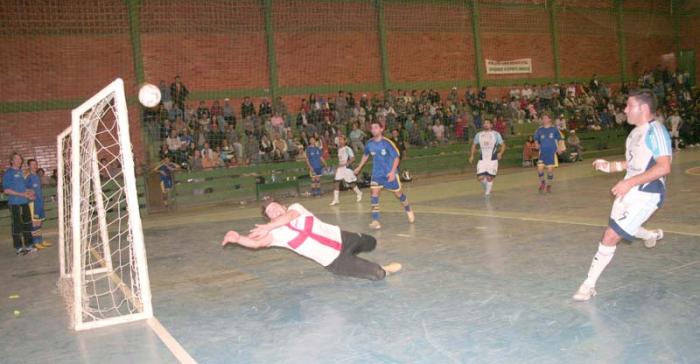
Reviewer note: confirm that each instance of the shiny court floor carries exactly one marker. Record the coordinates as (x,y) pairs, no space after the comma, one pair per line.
(484,281)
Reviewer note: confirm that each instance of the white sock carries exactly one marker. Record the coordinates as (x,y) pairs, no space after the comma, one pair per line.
(489,185)
(336,195)
(357,190)
(483,184)
(644,234)
(600,261)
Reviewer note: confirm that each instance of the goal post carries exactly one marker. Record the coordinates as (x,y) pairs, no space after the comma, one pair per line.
(102,257)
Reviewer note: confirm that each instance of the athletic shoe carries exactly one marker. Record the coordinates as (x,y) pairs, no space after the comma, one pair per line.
(375,225)
(658,235)
(411,216)
(584,293)
(542,186)
(392,268)
(20,251)
(548,189)
(359,197)
(334,202)
(30,250)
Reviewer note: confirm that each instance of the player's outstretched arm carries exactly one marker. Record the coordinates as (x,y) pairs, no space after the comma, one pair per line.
(261,230)
(233,237)
(609,167)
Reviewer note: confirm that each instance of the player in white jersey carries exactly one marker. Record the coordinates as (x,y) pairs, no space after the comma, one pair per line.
(343,173)
(641,192)
(676,122)
(492,148)
(298,229)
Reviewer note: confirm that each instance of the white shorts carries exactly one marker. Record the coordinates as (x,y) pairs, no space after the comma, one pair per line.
(630,213)
(487,168)
(345,174)
(675,134)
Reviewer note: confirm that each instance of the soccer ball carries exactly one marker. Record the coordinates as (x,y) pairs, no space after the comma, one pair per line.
(149,95)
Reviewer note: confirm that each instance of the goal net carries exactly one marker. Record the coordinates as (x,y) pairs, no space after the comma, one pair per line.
(104,275)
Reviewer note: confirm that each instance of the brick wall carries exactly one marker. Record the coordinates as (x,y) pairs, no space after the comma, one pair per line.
(69,50)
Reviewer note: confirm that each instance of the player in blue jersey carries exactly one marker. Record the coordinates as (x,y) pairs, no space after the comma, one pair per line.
(547,138)
(647,163)
(315,162)
(36,207)
(18,196)
(166,170)
(385,162)
(492,148)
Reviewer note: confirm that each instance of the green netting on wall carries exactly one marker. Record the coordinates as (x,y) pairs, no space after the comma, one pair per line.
(444,16)
(212,16)
(74,17)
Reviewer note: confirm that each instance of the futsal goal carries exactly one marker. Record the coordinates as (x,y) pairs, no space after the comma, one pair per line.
(102,258)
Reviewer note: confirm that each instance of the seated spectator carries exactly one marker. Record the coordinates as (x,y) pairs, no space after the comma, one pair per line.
(233,141)
(265,148)
(195,162)
(293,145)
(209,159)
(279,148)
(203,111)
(357,139)
(217,112)
(265,107)
(439,132)
(530,152)
(574,144)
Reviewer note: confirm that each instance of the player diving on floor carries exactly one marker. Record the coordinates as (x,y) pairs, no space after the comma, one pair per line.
(296,228)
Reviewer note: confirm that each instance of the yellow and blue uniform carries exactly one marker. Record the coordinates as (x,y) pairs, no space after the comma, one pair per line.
(313,154)
(21,216)
(384,152)
(548,138)
(36,207)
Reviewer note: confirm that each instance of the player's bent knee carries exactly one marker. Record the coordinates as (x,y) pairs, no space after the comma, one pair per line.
(610,237)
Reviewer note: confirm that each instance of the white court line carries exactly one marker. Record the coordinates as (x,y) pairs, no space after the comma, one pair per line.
(175,348)
(535,219)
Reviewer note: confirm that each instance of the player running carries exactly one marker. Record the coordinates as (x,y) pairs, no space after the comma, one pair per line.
(385,162)
(343,173)
(492,148)
(648,160)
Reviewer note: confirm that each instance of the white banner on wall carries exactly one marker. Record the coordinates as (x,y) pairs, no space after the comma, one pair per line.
(523,65)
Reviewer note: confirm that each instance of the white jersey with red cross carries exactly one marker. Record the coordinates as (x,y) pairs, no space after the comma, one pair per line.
(309,236)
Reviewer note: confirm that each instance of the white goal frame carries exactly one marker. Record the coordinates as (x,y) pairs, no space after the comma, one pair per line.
(71,233)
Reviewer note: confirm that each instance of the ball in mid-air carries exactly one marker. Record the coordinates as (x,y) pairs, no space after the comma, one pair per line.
(149,95)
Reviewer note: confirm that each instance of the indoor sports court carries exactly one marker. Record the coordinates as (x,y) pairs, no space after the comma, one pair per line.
(483,281)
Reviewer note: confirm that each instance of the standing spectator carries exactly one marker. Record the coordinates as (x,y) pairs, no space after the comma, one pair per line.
(229,115)
(36,207)
(165,95)
(247,108)
(15,187)
(265,107)
(217,112)
(179,93)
